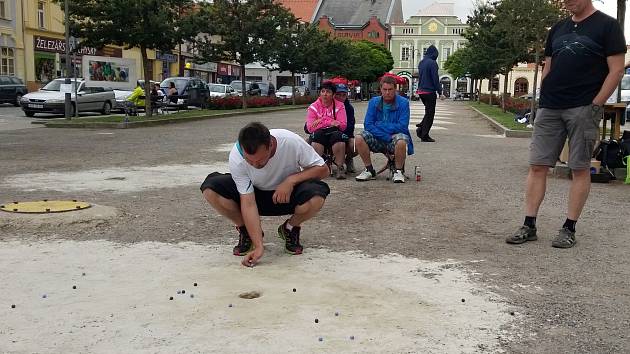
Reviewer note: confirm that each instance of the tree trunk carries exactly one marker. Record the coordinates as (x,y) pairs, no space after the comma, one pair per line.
(505,89)
(491,88)
(532,105)
(147,82)
(243,86)
(293,87)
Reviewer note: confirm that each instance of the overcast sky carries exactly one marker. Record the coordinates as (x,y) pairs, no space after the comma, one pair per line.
(463,8)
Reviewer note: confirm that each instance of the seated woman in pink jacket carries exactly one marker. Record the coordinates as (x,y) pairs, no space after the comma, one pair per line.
(325,122)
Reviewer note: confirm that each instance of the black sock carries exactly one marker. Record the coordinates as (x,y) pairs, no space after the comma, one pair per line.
(570,224)
(530,221)
(370,169)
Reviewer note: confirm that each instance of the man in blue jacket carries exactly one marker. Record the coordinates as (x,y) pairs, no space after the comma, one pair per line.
(428,86)
(386,130)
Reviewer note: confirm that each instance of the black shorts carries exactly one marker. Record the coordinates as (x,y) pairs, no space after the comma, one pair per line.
(328,137)
(224,185)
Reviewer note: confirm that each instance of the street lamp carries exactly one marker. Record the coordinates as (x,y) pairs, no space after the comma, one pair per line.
(67,82)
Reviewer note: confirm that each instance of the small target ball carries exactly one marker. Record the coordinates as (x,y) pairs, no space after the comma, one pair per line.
(191,295)
(463,300)
(195,284)
(74,287)
(12,306)
(294,290)
(512,313)
(170,298)
(44,296)
(321,339)
(183,291)
(179,291)
(336,313)
(351,337)
(230,305)
(316,320)
(83,274)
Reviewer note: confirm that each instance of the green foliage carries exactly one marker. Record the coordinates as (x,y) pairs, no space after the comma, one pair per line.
(362,60)
(242,31)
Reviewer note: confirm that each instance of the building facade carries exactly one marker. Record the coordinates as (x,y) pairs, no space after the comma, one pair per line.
(435,25)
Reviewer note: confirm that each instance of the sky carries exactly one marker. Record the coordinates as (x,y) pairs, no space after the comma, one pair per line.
(464,7)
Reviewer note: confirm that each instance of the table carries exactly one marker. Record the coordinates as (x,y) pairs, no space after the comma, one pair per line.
(619,109)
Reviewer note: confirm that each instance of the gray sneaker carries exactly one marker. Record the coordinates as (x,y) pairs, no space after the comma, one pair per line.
(565,239)
(350,165)
(522,235)
(340,173)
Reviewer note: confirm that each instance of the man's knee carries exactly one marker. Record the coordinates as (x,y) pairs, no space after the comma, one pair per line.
(538,169)
(314,204)
(211,196)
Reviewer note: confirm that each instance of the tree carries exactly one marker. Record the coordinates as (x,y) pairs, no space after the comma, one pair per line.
(534,17)
(363,60)
(144,24)
(243,32)
(300,51)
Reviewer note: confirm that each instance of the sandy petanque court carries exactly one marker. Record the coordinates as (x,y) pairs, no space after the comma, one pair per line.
(121,302)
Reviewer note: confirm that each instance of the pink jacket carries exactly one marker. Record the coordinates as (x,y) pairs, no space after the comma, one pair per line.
(320,117)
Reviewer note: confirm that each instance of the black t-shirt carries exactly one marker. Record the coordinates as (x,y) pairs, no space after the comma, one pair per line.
(578,64)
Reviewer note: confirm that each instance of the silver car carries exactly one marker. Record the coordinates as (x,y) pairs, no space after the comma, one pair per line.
(51,98)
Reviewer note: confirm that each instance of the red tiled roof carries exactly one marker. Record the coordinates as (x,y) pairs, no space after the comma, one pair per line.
(302,9)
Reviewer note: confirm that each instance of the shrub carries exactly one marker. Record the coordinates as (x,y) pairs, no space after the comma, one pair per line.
(235,102)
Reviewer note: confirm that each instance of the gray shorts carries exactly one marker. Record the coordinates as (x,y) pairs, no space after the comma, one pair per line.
(376,145)
(553,126)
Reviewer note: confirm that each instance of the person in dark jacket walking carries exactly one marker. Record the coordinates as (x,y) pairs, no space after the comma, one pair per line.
(428,86)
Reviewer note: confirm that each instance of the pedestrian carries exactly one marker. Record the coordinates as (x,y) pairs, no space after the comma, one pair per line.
(584,62)
(357,93)
(428,86)
(272,173)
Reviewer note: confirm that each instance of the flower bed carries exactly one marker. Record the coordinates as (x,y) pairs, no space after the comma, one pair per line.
(235,102)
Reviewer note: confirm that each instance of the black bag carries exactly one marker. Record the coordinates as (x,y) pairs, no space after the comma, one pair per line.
(609,153)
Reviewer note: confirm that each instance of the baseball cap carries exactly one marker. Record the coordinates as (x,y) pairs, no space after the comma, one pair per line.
(342,88)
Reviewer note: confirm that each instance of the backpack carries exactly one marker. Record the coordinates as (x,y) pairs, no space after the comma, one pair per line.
(609,153)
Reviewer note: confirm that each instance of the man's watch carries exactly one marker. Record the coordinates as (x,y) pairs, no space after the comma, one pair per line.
(597,108)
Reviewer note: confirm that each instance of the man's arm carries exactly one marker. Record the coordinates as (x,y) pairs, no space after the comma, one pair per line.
(284,190)
(546,69)
(615,73)
(251,218)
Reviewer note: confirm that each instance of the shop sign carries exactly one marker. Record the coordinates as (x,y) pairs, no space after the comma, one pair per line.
(223,69)
(166,57)
(56,45)
(212,67)
(236,70)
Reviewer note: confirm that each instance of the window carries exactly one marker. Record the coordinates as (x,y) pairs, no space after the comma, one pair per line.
(40,14)
(520,87)
(407,30)
(494,84)
(405,53)
(7,61)
(374,34)
(3,9)
(446,52)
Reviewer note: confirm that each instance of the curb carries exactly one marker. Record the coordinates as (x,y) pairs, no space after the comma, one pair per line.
(156,122)
(508,133)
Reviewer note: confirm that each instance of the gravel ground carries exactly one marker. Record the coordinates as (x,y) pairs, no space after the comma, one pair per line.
(470,198)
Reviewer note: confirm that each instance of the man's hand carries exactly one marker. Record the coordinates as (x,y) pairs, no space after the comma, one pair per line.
(283,192)
(253,257)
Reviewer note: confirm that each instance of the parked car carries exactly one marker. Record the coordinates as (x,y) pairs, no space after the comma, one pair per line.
(252,88)
(51,98)
(285,91)
(266,88)
(221,90)
(11,90)
(191,91)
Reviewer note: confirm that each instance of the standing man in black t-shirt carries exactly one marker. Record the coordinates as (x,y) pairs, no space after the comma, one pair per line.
(584,62)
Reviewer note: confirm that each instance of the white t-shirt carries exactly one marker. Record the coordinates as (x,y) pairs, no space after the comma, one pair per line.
(292,155)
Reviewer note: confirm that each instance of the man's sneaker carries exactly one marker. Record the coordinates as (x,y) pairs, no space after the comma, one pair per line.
(427,139)
(365,176)
(565,239)
(245,244)
(524,234)
(398,177)
(350,165)
(340,173)
(291,238)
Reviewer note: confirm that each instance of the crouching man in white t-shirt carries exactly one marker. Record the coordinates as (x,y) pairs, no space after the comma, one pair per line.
(272,172)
